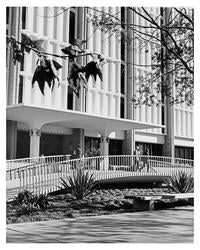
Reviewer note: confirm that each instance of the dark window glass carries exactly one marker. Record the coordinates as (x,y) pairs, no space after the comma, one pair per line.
(122,47)
(184,152)
(115,147)
(70,99)
(121,107)
(20,93)
(122,17)
(7,14)
(92,146)
(192,153)
(163,118)
(154,149)
(23,17)
(177,152)
(187,153)
(23,144)
(22,65)
(72,27)
(122,78)
(182,155)
(51,144)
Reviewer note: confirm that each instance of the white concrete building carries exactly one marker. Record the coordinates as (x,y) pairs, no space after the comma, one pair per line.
(103,117)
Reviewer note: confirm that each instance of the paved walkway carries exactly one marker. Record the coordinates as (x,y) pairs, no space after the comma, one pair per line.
(163,226)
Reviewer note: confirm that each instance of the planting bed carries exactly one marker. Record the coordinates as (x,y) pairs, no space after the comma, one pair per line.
(104,201)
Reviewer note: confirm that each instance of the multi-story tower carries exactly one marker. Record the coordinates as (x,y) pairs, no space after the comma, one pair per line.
(103,117)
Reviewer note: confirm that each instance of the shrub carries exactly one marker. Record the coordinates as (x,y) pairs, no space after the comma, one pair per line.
(81,184)
(42,201)
(25,197)
(26,202)
(26,209)
(180,182)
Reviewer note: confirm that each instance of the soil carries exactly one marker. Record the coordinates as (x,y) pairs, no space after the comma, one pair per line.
(98,203)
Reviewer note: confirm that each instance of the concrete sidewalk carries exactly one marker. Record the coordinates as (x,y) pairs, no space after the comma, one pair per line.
(163,226)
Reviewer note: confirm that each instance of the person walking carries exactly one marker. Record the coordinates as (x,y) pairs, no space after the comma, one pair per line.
(137,158)
(146,160)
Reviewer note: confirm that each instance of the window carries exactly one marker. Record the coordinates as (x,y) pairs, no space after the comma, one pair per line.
(122,78)
(122,48)
(20,93)
(23,144)
(72,23)
(23,17)
(154,149)
(115,147)
(7,15)
(70,99)
(121,107)
(51,144)
(163,117)
(122,17)
(122,70)
(72,27)
(184,152)
(92,145)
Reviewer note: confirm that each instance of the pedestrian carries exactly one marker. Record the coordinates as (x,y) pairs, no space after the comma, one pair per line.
(137,158)
(78,152)
(146,160)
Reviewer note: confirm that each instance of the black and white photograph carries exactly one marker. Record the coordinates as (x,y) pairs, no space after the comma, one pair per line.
(99,123)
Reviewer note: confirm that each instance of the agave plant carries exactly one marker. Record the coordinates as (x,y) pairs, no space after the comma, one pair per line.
(80,185)
(180,182)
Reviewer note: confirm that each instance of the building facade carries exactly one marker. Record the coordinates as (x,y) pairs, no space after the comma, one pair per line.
(103,118)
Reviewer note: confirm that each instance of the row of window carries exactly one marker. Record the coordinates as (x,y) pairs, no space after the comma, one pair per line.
(51,144)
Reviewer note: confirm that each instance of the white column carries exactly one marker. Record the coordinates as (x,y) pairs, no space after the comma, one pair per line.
(40,20)
(97,38)
(112,106)
(183,123)
(50,24)
(97,103)
(30,19)
(59,26)
(104,104)
(104,145)
(26,90)
(89,102)
(64,96)
(66,26)
(90,34)
(34,142)
(118,77)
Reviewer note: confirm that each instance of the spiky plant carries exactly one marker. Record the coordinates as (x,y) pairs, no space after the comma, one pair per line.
(24,197)
(80,184)
(27,200)
(180,182)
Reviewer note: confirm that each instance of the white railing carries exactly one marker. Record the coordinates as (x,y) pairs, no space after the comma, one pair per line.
(43,176)
(25,162)
(183,162)
(13,167)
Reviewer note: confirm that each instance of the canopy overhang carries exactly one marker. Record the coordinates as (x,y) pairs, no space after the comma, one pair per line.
(37,116)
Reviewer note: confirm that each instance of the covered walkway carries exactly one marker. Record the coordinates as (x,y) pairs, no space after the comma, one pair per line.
(35,117)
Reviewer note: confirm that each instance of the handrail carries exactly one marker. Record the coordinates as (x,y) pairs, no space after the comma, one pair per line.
(44,176)
(25,162)
(28,158)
